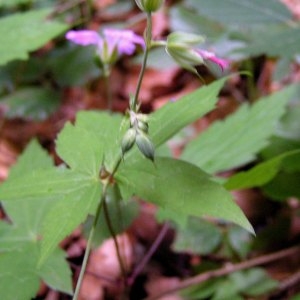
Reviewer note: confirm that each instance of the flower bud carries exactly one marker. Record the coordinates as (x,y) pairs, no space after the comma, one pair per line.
(142,117)
(128,140)
(143,126)
(180,48)
(149,5)
(145,145)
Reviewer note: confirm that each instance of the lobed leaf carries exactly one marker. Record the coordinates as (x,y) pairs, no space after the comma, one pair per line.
(242,12)
(65,215)
(288,46)
(236,141)
(172,117)
(31,103)
(34,29)
(179,186)
(104,131)
(198,236)
(56,272)
(18,276)
(260,174)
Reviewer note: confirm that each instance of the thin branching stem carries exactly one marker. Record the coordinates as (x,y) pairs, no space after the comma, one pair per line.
(149,254)
(228,269)
(114,237)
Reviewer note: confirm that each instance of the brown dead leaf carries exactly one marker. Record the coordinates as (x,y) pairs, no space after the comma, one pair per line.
(103,267)
(8,156)
(159,284)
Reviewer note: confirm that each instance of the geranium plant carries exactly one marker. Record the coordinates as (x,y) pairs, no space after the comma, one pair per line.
(103,151)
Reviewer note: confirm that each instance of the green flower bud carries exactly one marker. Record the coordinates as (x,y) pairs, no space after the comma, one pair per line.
(143,126)
(180,48)
(145,145)
(149,5)
(142,117)
(128,140)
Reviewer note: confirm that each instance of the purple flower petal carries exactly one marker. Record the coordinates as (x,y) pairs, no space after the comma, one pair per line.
(125,40)
(207,55)
(84,37)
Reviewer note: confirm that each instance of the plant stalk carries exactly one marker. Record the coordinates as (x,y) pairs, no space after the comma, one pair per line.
(110,178)
(148,37)
(113,234)
(89,244)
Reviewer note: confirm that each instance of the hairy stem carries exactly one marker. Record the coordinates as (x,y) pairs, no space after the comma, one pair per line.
(228,270)
(148,36)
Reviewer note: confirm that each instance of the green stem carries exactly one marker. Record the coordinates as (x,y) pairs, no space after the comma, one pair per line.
(148,38)
(113,234)
(89,244)
(108,91)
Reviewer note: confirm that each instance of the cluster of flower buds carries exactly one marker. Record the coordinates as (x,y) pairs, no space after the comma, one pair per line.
(138,134)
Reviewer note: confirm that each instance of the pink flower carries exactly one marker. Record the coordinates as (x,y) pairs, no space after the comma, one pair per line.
(207,55)
(124,41)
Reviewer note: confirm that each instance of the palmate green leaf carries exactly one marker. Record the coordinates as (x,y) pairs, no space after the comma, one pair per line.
(20,278)
(242,12)
(19,243)
(9,3)
(56,272)
(33,158)
(253,282)
(187,20)
(82,145)
(31,103)
(22,33)
(26,216)
(198,236)
(283,186)
(66,73)
(236,141)
(43,184)
(65,215)
(179,186)
(260,174)
(267,43)
(80,149)
(174,116)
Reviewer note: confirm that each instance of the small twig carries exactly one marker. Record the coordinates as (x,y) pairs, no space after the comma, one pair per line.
(292,280)
(149,254)
(228,270)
